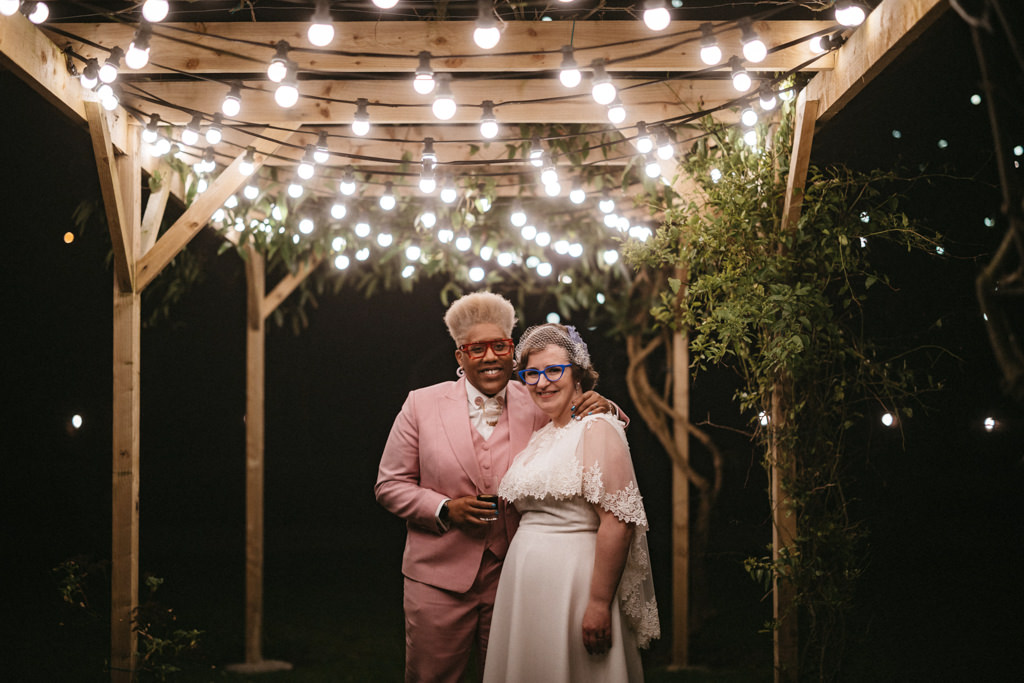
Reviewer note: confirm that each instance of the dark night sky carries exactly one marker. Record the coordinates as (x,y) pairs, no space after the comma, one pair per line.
(946,510)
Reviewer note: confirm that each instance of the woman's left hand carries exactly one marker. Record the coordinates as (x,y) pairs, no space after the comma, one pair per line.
(597,628)
(590,402)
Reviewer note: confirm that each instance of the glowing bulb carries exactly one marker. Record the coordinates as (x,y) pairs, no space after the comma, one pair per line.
(518,216)
(448,192)
(748,117)
(444,103)
(652,168)
(656,15)
(387,200)
(232,103)
(339,210)
(488,123)
(138,51)
(888,419)
(710,53)
(550,174)
(361,119)
(544,269)
(505,259)
(248,165)
(385,4)
(108,72)
(287,93)
(90,73)
(716,175)
(616,111)
(603,89)
(607,204)
(740,78)
(543,239)
(553,189)
(610,257)
(666,149)
(341,262)
(577,195)
(486,34)
(817,44)
(38,12)
(306,226)
(190,135)
(569,74)
(413,252)
(528,232)
(321,31)
(306,169)
(251,192)
(463,243)
(423,83)
(766,98)
(150,132)
(155,10)
(278,67)
(754,49)
(476,273)
(214,134)
(9,7)
(428,183)
(428,219)
(536,154)
(362,228)
(849,13)
(363,254)
(295,190)
(385,239)
(445,235)
(643,141)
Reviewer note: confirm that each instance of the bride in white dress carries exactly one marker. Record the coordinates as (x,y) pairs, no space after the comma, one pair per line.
(576,597)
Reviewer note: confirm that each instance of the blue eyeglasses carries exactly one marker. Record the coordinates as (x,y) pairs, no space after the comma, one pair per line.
(553,373)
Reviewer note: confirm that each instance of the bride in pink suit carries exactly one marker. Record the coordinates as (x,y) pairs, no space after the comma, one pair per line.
(576,599)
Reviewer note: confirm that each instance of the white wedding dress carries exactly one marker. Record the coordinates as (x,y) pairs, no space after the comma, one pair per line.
(536,631)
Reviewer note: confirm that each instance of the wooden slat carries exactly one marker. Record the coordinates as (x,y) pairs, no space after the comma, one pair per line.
(800,159)
(155,206)
(287,285)
(886,33)
(651,103)
(197,215)
(110,187)
(404,40)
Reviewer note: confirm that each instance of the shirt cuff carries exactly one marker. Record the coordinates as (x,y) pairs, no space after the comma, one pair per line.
(437,516)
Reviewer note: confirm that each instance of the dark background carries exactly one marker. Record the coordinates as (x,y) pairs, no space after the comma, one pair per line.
(942,599)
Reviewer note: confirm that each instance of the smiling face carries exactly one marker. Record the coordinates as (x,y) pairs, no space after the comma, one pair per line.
(491,372)
(554,398)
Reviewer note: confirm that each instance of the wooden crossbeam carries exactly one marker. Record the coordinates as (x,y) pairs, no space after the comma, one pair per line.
(451,42)
(197,215)
(118,221)
(888,31)
(800,159)
(287,285)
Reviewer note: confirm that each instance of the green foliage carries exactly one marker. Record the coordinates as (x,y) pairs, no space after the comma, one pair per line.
(784,308)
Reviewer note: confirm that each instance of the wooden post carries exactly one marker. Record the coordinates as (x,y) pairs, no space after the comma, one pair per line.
(681,505)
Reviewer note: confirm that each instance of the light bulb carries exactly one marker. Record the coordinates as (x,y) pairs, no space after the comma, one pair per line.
(306,226)
(428,183)
(603,89)
(413,252)
(577,195)
(607,204)
(569,74)
(37,12)
(362,228)
(643,141)
(385,4)
(428,156)
(488,123)
(518,216)
(656,15)
(190,135)
(108,72)
(251,192)
(616,111)
(151,131)
(448,192)
(486,34)
(295,190)
(110,102)
(361,120)
(748,117)
(754,49)
(287,93)
(338,210)
(248,164)
(428,219)
(553,189)
(278,67)
(750,137)
(444,103)
(665,147)
(817,44)
(321,154)
(385,239)
(476,273)
(90,73)
(850,13)
(549,175)
(307,167)
(341,262)
(161,147)
(483,201)
(528,232)
(536,154)
(423,83)
(347,186)
(321,31)
(387,200)
(363,254)
(740,78)
(9,7)
(766,98)
(155,10)
(232,103)
(651,167)
(138,51)
(710,53)
(214,134)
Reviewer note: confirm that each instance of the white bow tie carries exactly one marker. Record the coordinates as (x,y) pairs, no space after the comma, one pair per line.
(491,408)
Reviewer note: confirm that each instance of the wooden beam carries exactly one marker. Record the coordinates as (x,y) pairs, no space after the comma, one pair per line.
(883,36)
(197,215)
(118,221)
(326,102)
(681,502)
(155,206)
(287,285)
(450,42)
(799,160)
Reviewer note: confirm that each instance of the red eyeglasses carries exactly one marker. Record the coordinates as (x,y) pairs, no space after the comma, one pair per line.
(500,347)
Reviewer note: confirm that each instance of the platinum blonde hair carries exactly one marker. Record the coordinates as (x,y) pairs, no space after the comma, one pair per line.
(475,309)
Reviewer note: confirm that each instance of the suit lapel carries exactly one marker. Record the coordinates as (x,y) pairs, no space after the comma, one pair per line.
(454,415)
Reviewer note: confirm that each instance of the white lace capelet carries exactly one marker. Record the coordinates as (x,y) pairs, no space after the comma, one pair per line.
(590,458)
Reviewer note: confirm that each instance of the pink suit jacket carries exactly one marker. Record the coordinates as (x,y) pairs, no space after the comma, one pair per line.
(430,456)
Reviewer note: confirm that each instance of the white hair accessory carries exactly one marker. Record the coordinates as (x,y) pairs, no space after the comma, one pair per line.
(541,336)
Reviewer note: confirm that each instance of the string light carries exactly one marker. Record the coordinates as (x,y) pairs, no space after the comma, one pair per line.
(549,176)
(606,204)
(347,185)
(308,165)
(651,166)
(155,10)
(248,165)
(488,123)
(214,133)
(850,13)
(428,219)
(321,31)
(740,78)
(643,141)
(428,183)
(361,119)
(710,53)
(616,111)
(339,209)
(108,72)
(766,98)
(748,117)
(362,227)
(569,73)
(666,150)
(754,48)
(321,154)
(448,192)
(138,50)
(287,93)
(423,83)
(150,133)
(603,89)
(251,192)
(190,136)
(295,190)
(518,216)
(536,154)
(341,262)
(385,4)
(161,147)
(232,103)
(37,12)
(209,162)
(656,15)
(90,74)
(9,7)
(444,102)
(279,66)
(108,97)
(387,200)
(486,34)
(577,195)
(428,156)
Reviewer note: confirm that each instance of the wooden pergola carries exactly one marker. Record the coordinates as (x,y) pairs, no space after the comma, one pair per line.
(660,79)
